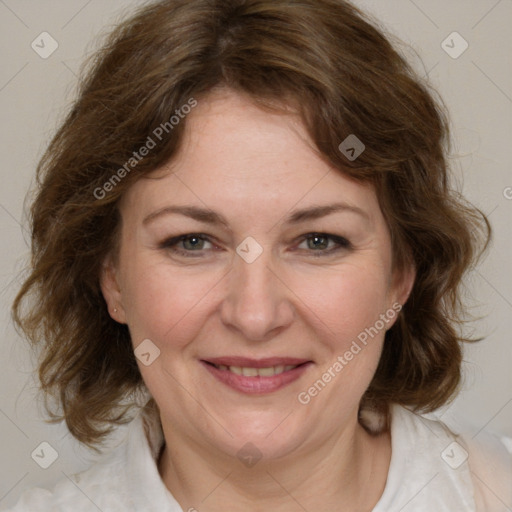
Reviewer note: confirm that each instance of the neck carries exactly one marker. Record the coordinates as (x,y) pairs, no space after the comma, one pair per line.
(349,468)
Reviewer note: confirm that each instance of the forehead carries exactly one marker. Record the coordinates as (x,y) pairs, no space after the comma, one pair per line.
(236,155)
(238,138)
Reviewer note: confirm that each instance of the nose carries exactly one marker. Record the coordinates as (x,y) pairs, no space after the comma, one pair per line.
(257,302)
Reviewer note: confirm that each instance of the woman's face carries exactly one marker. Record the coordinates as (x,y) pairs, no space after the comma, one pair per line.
(247,256)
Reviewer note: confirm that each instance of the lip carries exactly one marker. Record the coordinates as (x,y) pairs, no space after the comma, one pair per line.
(255,363)
(256,385)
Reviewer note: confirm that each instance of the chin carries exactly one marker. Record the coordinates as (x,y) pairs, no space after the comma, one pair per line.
(270,435)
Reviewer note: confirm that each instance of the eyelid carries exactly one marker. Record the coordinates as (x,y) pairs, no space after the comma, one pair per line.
(342,242)
(172,242)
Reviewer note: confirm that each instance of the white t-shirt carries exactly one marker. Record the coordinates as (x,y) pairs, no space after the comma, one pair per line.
(431,470)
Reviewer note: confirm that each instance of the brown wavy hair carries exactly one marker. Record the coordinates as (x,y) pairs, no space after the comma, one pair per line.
(326,60)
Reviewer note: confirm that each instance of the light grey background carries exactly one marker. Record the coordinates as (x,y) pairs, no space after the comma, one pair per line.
(477,88)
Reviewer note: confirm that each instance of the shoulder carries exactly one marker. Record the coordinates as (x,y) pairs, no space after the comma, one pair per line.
(92,489)
(490,462)
(120,481)
(435,467)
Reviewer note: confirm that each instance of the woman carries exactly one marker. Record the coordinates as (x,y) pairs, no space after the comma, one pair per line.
(245,224)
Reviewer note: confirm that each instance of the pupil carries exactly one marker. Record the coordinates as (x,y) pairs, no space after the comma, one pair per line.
(193,241)
(316,239)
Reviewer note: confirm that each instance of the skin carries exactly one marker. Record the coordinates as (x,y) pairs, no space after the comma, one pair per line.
(255,168)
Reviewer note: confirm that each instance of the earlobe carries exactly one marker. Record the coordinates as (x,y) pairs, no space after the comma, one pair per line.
(405,283)
(112,292)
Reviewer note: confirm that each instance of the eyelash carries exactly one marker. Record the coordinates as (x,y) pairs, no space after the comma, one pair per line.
(171,243)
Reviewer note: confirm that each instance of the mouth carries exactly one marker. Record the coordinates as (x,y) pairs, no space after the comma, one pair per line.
(256,372)
(256,375)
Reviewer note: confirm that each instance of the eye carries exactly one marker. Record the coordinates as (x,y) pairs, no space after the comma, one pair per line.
(185,245)
(324,244)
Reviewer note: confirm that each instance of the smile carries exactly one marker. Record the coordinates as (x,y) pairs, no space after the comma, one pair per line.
(256,377)
(255,372)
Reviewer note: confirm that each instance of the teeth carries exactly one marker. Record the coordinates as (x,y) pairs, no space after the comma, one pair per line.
(255,372)
(266,372)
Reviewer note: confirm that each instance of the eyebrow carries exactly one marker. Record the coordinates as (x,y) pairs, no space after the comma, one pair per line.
(317,212)
(210,217)
(194,212)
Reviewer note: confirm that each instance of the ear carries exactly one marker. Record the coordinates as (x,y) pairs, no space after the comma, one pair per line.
(109,283)
(403,282)
(401,287)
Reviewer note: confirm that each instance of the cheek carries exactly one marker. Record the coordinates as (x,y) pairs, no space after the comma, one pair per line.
(162,303)
(345,302)
(349,307)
